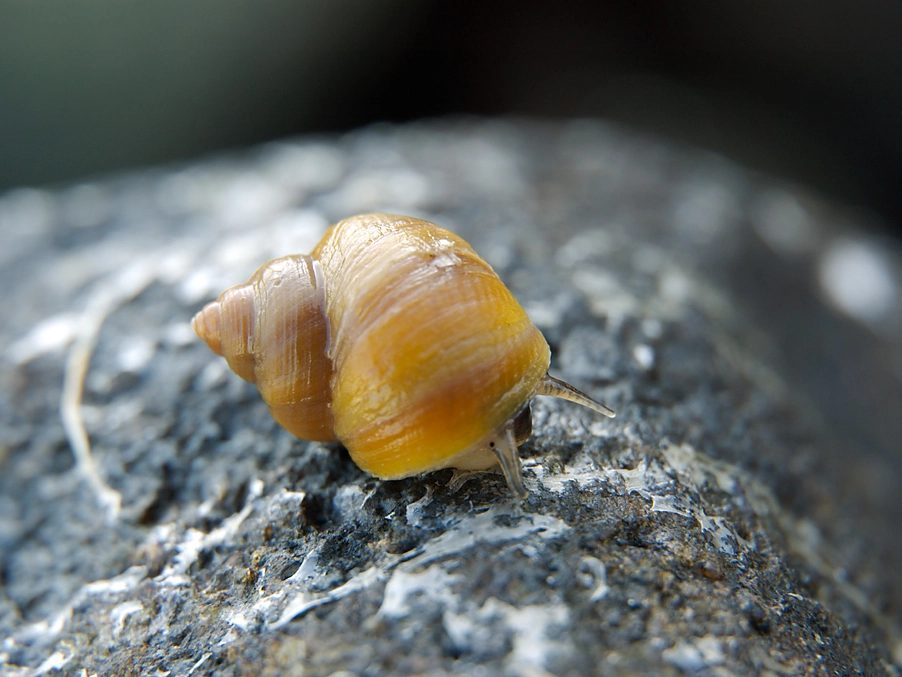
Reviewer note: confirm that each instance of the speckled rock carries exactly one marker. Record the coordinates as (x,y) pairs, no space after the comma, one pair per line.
(739,516)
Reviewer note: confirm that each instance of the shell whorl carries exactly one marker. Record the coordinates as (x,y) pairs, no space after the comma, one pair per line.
(273,332)
(431,353)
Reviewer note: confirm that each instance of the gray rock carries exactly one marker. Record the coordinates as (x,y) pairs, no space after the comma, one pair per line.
(739,516)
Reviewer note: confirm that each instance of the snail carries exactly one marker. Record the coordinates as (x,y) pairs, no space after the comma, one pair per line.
(395,338)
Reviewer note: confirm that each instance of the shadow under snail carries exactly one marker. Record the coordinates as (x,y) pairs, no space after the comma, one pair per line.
(395,338)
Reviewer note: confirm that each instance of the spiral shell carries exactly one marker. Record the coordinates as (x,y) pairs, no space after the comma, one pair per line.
(394,338)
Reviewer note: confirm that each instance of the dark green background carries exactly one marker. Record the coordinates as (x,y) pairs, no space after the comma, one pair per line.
(808,90)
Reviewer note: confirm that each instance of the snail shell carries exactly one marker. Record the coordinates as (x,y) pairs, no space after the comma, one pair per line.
(396,339)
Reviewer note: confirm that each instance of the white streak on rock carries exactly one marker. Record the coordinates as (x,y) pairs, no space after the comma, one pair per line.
(483,528)
(433,582)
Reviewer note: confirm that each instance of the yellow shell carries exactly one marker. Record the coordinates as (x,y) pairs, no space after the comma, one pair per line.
(395,338)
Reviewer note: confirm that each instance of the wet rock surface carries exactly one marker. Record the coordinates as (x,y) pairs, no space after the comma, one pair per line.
(739,516)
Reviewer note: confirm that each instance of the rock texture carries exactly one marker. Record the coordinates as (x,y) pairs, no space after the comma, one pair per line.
(739,516)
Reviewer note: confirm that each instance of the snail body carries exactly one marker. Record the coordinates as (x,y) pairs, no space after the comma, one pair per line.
(395,338)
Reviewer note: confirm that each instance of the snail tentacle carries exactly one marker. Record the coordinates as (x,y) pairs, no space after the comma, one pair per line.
(503,443)
(554,387)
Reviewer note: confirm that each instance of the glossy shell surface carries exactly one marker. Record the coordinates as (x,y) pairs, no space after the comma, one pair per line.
(393,336)
(431,352)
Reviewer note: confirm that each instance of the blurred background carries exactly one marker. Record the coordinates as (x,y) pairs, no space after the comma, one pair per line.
(811,91)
